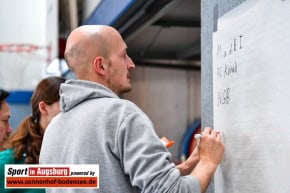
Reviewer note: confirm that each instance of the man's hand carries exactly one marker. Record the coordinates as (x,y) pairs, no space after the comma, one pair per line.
(211,151)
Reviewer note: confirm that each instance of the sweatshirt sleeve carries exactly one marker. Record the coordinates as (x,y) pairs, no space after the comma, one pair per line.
(146,161)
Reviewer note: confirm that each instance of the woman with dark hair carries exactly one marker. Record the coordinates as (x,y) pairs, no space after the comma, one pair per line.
(23,146)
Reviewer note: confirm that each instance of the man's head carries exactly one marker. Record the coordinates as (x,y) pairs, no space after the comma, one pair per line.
(5,128)
(98,53)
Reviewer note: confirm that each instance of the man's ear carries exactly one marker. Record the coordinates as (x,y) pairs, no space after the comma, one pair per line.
(98,65)
(42,108)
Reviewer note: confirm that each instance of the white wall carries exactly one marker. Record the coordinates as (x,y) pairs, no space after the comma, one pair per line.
(171,99)
(32,22)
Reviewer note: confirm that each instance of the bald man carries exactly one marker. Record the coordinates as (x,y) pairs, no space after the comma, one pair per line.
(95,126)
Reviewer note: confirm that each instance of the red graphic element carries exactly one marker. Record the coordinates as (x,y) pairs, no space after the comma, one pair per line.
(48,171)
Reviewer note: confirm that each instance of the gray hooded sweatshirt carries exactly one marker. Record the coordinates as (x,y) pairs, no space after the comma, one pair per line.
(95,126)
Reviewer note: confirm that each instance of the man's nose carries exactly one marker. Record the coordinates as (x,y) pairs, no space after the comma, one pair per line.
(131,63)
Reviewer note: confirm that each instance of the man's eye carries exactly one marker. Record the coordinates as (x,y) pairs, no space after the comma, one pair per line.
(5,121)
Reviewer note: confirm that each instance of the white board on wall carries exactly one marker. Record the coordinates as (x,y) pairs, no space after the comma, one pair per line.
(251,97)
(28,41)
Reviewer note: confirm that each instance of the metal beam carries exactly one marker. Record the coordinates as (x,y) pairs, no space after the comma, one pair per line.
(191,52)
(173,64)
(192,23)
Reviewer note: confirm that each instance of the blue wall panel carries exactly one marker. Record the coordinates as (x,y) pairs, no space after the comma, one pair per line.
(19,103)
(108,11)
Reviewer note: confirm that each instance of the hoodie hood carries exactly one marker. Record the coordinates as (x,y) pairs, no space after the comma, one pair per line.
(73,92)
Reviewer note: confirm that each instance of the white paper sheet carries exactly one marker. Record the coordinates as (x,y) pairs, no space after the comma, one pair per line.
(251,88)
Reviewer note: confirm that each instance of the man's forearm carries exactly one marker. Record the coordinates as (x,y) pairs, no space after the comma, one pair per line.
(187,167)
(204,172)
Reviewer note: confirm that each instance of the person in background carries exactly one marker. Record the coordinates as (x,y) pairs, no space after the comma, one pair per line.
(5,128)
(96,126)
(23,146)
